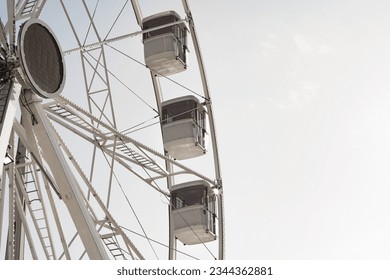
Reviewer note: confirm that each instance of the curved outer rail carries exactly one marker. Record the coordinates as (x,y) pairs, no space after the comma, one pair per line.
(212,129)
(138,13)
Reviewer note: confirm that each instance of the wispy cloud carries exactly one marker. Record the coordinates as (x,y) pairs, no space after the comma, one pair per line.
(268,49)
(306,46)
(297,98)
(268,46)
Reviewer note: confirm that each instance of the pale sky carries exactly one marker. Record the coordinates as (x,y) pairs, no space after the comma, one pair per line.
(301,98)
(301,94)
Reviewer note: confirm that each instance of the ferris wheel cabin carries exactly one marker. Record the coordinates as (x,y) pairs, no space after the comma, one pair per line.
(184,127)
(193,212)
(165,48)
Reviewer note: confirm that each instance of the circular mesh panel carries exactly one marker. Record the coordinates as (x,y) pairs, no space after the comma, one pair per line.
(42,59)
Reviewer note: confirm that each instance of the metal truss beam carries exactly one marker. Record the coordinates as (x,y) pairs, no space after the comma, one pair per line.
(68,185)
(136,153)
(12,91)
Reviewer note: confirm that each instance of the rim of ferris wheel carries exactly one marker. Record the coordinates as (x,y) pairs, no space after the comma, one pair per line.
(41,58)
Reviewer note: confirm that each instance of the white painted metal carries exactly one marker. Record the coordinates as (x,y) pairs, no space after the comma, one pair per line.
(22,10)
(24,222)
(10,27)
(217,183)
(32,148)
(109,219)
(13,90)
(9,254)
(27,9)
(3,36)
(170,170)
(91,60)
(2,200)
(120,38)
(133,149)
(206,92)
(213,134)
(19,167)
(137,11)
(68,185)
(31,192)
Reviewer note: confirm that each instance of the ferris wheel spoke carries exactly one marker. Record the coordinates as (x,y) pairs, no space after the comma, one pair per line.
(67,184)
(10,26)
(95,89)
(116,20)
(65,9)
(137,12)
(29,9)
(32,195)
(26,228)
(9,98)
(2,200)
(3,39)
(109,221)
(91,20)
(127,148)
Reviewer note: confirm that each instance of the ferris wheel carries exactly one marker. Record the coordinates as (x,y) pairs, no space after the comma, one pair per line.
(108,139)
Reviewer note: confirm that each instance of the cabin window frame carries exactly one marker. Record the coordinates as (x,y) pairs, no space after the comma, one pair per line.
(179,201)
(190,111)
(178,31)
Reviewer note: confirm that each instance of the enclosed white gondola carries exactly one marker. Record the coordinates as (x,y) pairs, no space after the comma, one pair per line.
(193,212)
(165,47)
(184,127)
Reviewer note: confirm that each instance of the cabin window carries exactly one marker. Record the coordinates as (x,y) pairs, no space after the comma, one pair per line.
(177,30)
(195,195)
(181,110)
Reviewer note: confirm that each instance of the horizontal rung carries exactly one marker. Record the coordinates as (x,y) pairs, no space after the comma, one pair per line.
(107,235)
(115,249)
(32,191)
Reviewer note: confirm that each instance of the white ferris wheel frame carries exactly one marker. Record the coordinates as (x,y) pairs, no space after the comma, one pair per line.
(98,126)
